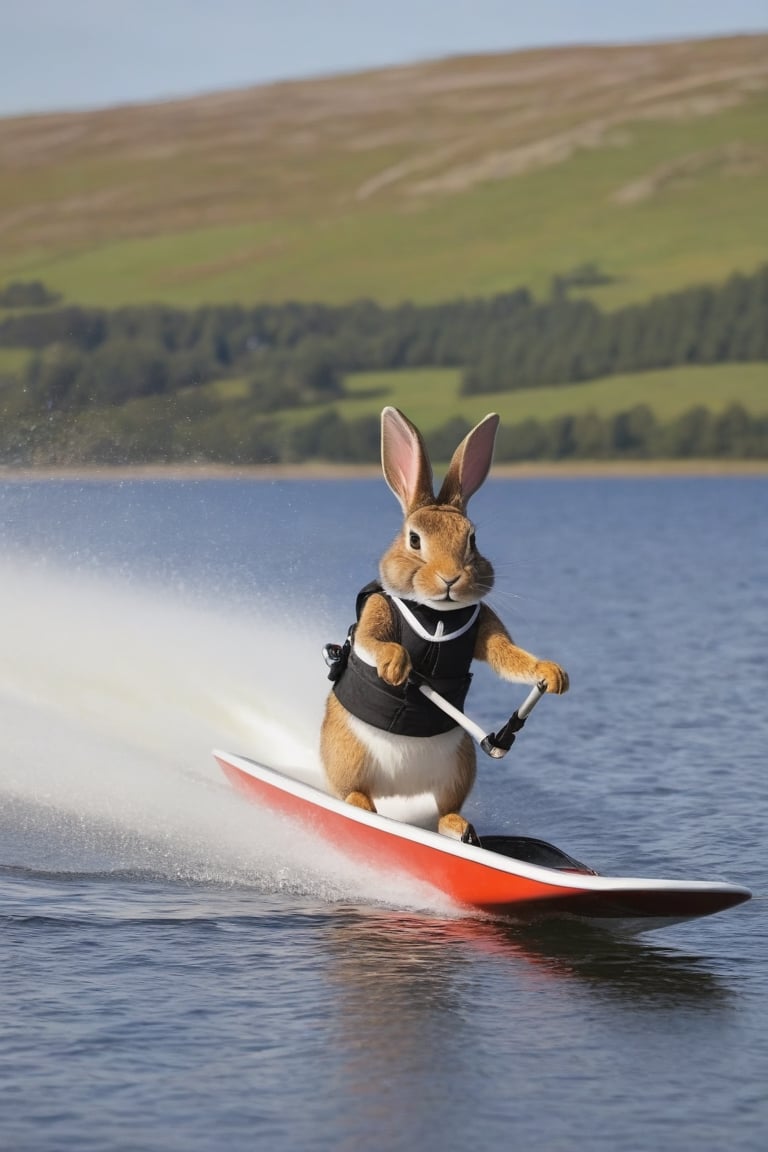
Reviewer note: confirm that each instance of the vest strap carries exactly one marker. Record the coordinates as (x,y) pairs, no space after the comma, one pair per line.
(438,636)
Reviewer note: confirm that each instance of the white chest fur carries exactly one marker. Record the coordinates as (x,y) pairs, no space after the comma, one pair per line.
(407,765)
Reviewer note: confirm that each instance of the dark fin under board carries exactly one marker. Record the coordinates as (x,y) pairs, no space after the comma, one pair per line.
(533,851)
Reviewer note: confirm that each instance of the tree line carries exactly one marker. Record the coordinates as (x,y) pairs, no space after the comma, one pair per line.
(179,429)
(635,433)
(123,385)
(293,353)
(569,341)
(27,294)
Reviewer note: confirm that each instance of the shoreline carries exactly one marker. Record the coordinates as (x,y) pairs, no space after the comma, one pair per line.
(572,470)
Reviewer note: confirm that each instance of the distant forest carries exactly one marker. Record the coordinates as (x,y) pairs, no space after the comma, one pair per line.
(125,385)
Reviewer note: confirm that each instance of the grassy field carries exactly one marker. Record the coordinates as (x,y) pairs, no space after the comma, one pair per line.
(431,396)
(13,361)
(457,177)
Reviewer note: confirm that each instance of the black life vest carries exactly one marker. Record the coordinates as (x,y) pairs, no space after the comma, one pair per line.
(441,646)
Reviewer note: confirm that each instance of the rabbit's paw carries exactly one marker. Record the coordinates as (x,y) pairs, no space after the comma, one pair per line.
(361,800)
(394,664)
(455,826)
(555,676)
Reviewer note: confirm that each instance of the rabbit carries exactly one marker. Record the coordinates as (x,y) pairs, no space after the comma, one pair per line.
(380,736)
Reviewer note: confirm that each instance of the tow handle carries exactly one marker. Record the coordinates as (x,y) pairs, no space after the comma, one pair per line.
(495,744)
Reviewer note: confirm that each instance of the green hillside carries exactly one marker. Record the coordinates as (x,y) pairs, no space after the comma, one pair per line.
(430,395)
(458,177)
(427,395)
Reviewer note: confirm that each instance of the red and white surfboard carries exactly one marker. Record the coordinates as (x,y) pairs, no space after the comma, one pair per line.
(538,880)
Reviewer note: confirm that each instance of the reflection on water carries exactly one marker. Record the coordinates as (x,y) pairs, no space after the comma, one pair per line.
(494,1019)
(402,954)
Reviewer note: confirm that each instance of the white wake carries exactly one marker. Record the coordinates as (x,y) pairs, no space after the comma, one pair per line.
(111,699)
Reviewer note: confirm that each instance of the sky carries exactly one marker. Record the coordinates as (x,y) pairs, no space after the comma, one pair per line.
(71,54)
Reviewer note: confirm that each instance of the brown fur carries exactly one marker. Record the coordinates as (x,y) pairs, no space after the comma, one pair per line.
(449,802)
(495,646)
(344,757)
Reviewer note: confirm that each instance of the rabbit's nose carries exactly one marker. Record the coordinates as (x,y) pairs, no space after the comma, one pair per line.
(449,581)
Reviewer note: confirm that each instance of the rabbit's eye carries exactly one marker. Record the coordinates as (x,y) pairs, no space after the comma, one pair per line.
(472,543)
(414,540)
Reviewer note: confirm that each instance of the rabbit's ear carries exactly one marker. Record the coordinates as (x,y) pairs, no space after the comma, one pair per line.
(405,461)
(470,464)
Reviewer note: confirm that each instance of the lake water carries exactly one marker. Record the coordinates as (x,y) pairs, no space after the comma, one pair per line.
(181,971)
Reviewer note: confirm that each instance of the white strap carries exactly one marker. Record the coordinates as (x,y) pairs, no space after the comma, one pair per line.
(440,636)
